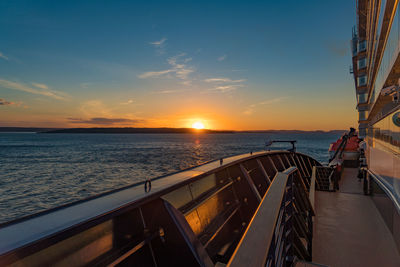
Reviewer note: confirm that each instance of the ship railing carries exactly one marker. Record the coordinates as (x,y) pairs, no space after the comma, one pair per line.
(280,231)
(326,178)
(160,225)
(384,186)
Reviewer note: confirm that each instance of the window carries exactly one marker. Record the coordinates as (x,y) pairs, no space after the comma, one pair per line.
(362,80)
(362,46)
(362,63)
(362,115)
(362,98)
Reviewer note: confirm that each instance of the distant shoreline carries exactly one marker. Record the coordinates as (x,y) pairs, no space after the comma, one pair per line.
(130,130)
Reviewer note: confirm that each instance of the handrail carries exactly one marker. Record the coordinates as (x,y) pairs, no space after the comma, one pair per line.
(311,195)
(272,225)
(384,187)
(31,236)
(253,248)
(325,178)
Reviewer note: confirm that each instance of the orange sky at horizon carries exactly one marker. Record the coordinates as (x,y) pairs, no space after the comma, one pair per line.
(248,66)
(288,114)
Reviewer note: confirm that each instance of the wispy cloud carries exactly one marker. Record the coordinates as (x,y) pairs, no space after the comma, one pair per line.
(159,43)
(226,88)
(223,80)
(41,86)
(223,85)
(33,90)
(105,121)
(154,74)
(251,108)
(172,91)
(130,101)
(178,67)
(222,58)
(3,56)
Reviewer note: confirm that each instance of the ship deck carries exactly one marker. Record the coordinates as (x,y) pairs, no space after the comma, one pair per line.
(348,228)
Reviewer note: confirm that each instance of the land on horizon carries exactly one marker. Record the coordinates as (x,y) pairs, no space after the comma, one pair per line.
(161,130)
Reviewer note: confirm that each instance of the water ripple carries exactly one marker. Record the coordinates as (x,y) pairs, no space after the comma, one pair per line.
(42,171)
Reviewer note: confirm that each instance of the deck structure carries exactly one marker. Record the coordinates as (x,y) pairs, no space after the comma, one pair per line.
(348,229)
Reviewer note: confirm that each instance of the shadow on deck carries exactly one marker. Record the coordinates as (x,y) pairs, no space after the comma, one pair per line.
(349,230)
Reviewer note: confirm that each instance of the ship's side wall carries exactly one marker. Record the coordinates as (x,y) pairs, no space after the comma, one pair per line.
(375,67)
(383,158)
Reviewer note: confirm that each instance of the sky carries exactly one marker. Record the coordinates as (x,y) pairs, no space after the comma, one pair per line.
(238,65)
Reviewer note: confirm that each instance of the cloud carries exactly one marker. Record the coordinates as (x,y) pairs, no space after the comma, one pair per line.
(3,56)
(222,58)
(151,74)
(170,91)
(130,101)
(41,86)
(251,108)
(159,43)
(223,85)
(223,80)
(225,88)
(178,67)
(105,121)
(25,88)
(4,102)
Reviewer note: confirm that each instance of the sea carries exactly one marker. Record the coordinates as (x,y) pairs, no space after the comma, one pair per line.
(43,171)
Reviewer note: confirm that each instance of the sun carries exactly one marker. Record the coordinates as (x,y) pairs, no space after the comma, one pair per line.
(198,125)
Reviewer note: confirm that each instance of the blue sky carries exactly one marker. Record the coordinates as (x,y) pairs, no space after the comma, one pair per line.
(229,64)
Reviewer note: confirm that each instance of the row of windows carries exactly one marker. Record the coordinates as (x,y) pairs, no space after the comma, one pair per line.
(358,46)
(390,53)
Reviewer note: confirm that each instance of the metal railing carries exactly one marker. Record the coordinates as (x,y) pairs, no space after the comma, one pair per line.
(384,186)
(280,232)
(195,217)
(325,178)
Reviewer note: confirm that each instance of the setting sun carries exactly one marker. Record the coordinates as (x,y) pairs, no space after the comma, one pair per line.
(198,125)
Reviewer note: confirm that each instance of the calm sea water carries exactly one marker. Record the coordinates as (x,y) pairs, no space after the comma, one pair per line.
(42,171)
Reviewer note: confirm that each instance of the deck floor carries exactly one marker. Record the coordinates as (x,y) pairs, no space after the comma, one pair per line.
(349,230)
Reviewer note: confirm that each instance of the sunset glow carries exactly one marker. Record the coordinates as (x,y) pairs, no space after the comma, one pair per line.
(198,125)
(152,74)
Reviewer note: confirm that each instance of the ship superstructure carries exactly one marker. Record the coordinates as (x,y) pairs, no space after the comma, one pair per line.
(376,68)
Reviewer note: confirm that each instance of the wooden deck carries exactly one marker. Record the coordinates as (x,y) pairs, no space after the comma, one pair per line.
(349,230)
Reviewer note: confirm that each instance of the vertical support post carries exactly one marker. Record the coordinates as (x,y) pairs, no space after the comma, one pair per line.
(305,166)
(250,181)
(289,224)
(281,161)
(311,194)
(272,164)
(263,171)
